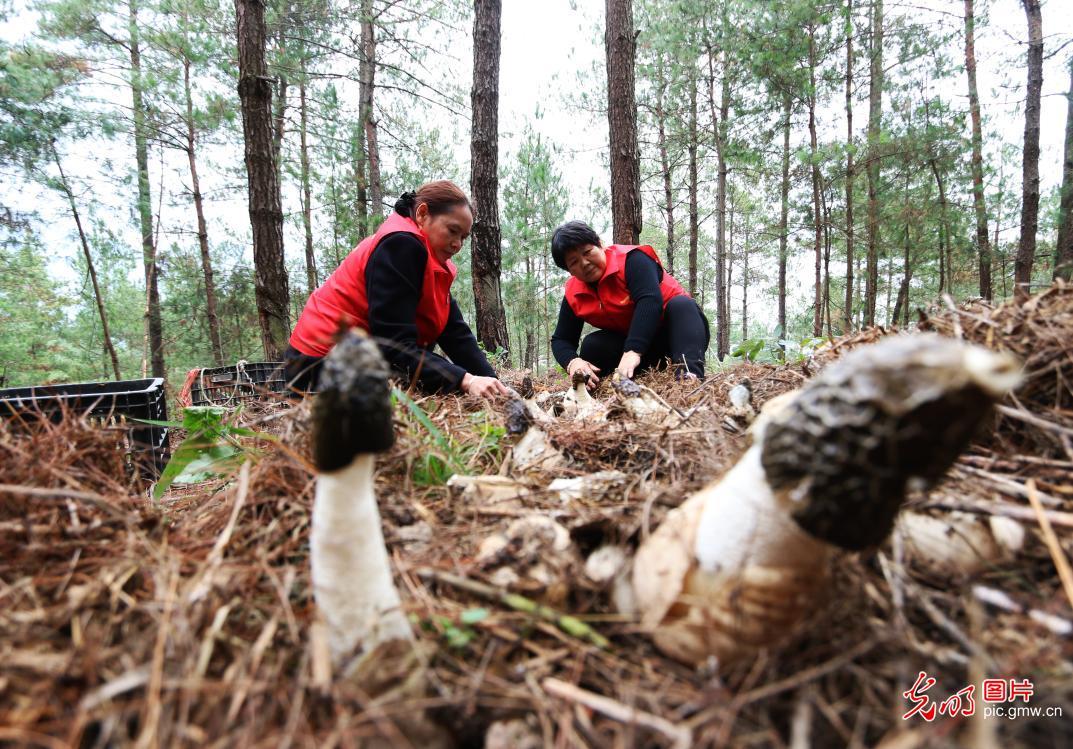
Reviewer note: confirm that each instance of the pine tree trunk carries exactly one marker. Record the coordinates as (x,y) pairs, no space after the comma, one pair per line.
(1026,248)
(108,347)
(729,269)
(665,167)
(719,128)
(694,229)
(847,318)
(1063,251)
(620,46)
(202,225)
(153,323)
(946,281)
(745,284)
(361,189)
(484,184)
(817,315)
(266,212)
(827,240)
(784,215)
(901,305)
(368,113)
(875,113)
(983,247)
(279,124)
(530,315)
(307,197)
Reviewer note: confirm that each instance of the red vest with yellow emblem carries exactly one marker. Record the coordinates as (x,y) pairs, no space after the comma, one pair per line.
(609,306)
(342,297)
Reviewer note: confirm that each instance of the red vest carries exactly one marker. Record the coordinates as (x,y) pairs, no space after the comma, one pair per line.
(610,307)
(342,296)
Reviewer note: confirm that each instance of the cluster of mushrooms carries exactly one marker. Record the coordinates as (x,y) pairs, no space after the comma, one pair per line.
(742,563)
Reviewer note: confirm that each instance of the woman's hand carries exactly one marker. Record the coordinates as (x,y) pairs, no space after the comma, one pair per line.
(628,363)
(485,387)
(580,365)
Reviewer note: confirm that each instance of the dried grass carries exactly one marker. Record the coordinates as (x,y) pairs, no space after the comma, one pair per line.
(189,623)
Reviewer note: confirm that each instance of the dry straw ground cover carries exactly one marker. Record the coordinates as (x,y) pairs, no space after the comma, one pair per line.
(190,622)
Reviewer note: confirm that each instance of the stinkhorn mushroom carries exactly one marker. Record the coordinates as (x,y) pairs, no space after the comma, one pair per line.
(352,581)
(741,401)
(741,563)
(641,403)
(579,404)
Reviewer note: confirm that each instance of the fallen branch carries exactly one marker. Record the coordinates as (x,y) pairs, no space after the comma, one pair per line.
(681,737)
(1065,574)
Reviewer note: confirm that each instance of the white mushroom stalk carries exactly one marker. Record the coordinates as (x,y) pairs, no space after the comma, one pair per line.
(352,581)
(740,564)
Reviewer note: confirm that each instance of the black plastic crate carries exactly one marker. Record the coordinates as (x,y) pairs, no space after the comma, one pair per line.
(114,401)
(230,386)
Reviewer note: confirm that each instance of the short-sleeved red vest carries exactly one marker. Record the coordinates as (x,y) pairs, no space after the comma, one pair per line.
(610,307)
(342,297)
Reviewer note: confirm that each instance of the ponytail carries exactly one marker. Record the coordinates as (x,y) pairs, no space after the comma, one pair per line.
(440,196)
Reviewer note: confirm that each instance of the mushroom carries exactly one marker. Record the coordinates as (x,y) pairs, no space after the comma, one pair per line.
(534,555)
(741,401)
(640,402)
(579,404)
(958,544)
(534,449)
(352,581)
(740,564)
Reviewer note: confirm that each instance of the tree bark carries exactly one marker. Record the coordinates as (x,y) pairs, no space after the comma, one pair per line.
(665,167)
(153,323)
(875,114)
(368,112)
(847,318)
(620,46)
(108,347)
(484,183)
(719,131)
(827,241)
(817,315)
(945,271)
(784,215)
(266,212)
(279,124)
(901,305)
(1063,265)
(202,225)
(307,197)
(361,189)
(745,281)
(983,247)
(1026,248)
(694,228)
(729,262)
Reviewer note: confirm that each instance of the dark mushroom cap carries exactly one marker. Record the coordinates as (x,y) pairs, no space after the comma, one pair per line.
(626,387)
(352,411)
(901,409)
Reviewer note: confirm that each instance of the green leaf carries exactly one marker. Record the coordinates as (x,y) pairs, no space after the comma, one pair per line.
(473,616)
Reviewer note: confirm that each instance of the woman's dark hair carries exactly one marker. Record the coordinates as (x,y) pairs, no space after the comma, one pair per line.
(441,196)
(569,236)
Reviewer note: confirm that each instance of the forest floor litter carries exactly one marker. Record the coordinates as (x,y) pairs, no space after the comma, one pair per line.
(190,622)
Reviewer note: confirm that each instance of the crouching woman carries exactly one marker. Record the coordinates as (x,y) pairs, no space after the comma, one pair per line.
(396,285)
(644,318)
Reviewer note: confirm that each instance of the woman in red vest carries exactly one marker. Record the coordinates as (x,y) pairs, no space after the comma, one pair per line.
(644,317)
(396,285)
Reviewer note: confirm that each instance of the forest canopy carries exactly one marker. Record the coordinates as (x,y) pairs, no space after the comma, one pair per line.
(805,169)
